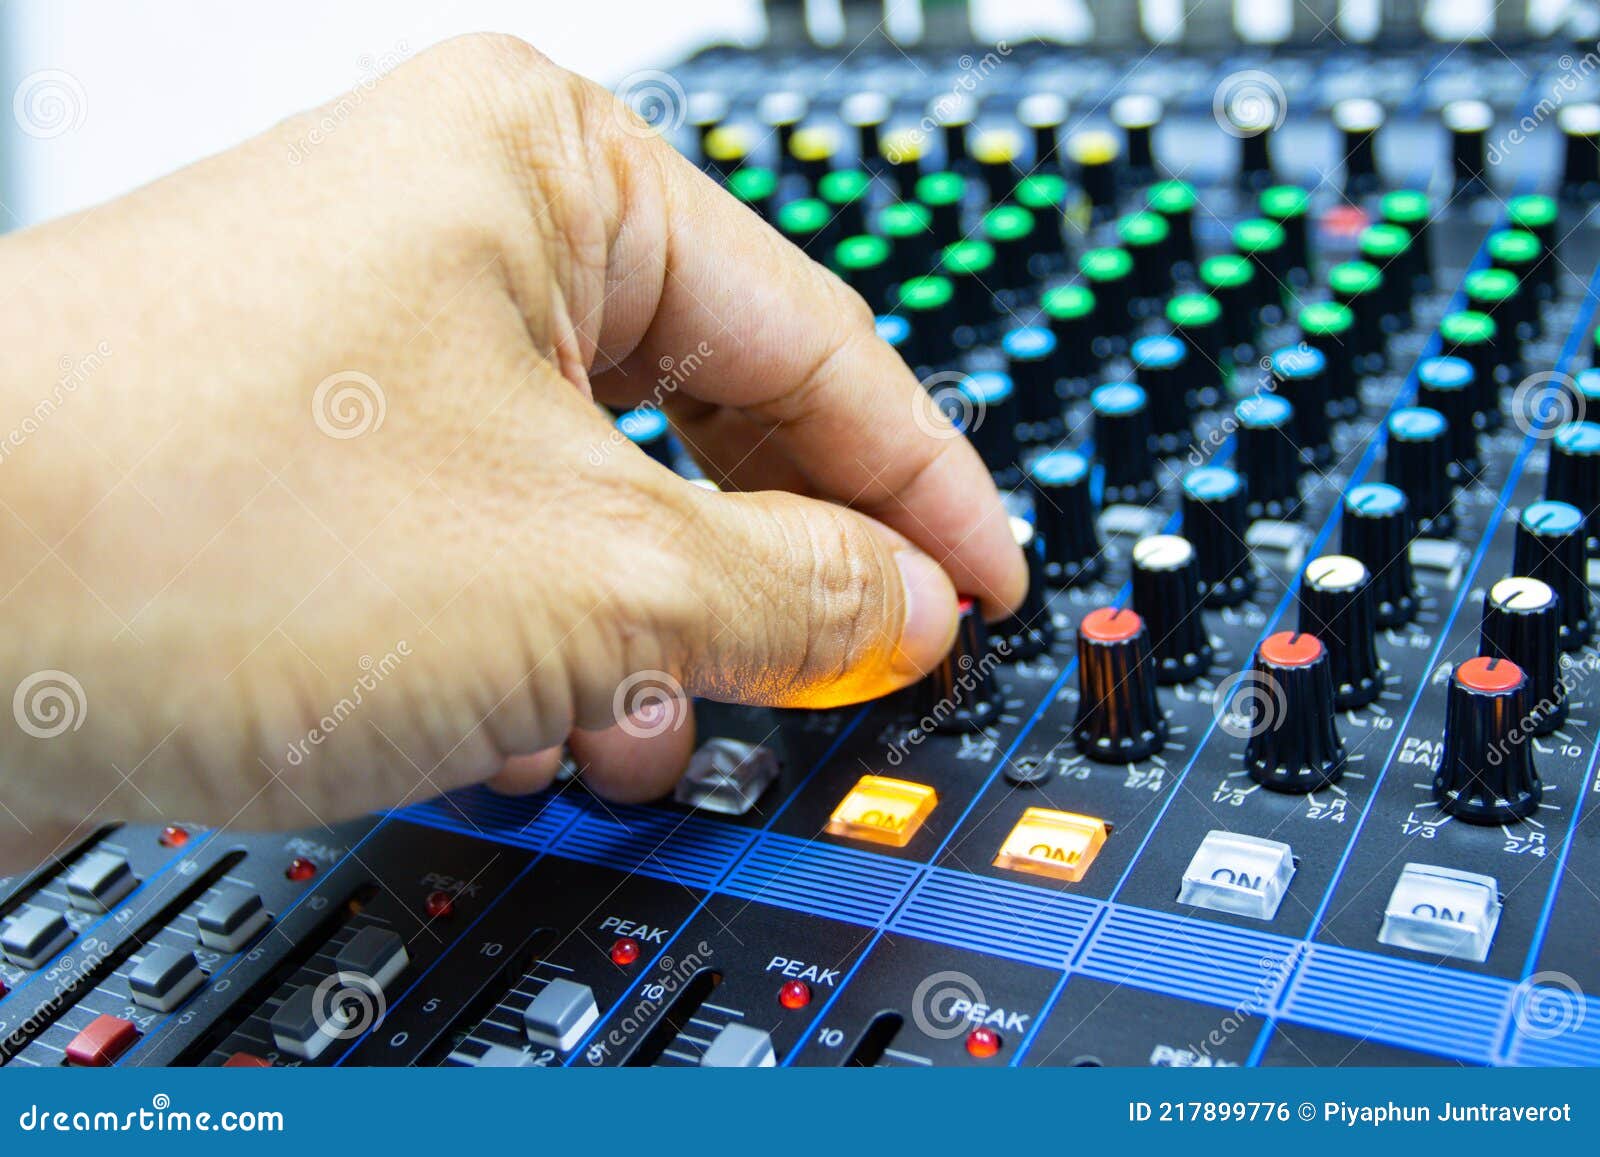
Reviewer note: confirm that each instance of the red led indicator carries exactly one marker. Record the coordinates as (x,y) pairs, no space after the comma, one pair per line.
(173,836)
(624,952)
(439,905)
(964,604)
(1110,625)
(1491,676)
(300,869)
(983,1043)
(794,994)
(1345,221)
(1291,649)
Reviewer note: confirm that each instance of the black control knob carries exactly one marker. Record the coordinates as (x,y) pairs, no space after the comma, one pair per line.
(1070,312)
(1122,443)
(1167,592)
(1522,622)
(1160,362)
(1486,773)
(1147,239)
(1329,328)
(1031,356)
(1377,530)
(1043,114)
(1175,200)
(984,406)
(1336,607)
(781,112)
(1215,521)
(1031,630)
(867,112)
(1358,120)
(1359,286)
(1093,154)
(959,694)
(1418,464)
(1137,115)
(1064,511)
(1197,321)
(1119,717)
(995,152)
(1108,273)
(1468,122)
(1299,376)
(1253,113)
(705,112)
(1549,546)
(952,114)
(647,428)
(1447,386)
(1289,206)
(1268,455)
(1294,743)
(1575,474)
(1580,168)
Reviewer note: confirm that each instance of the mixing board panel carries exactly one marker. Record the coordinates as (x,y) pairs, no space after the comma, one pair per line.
(1281,357)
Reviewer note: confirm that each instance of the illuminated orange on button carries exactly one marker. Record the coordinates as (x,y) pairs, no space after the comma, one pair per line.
(1051,843)
(883,810)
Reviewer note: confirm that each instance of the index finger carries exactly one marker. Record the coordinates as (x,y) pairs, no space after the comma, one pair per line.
(786,343)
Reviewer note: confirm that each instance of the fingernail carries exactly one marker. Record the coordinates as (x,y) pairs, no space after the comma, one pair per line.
(930,624)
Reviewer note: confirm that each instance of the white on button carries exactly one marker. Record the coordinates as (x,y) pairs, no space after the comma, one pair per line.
(1245,875)
(1442,910)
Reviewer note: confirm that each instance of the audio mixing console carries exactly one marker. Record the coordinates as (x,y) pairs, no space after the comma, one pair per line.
(1281,355)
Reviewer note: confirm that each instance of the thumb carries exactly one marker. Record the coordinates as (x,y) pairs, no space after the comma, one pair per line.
(807,604)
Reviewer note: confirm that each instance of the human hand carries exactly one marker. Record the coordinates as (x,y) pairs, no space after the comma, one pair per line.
(321,448)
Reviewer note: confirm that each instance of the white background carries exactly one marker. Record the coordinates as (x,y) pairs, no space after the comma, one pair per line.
(161,82)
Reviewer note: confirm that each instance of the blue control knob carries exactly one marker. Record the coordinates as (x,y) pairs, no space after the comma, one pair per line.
(1418,464)
(1031,357)
(1268,455)
(1064,515)
(1377,530)
(1549,547)
(1447,385)
(984,406)
(1160,363)
(1122,443)
(1300,376)
(1214,521)
(1575,474)
(647,428)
